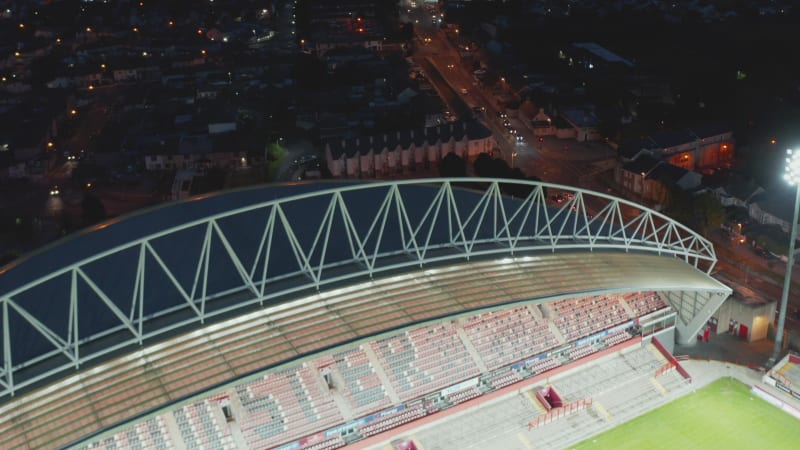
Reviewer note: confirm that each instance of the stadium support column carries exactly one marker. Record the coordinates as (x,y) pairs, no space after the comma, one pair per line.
(694,309)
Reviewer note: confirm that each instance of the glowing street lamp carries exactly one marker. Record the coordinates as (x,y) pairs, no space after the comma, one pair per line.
(792,176)
(644,176)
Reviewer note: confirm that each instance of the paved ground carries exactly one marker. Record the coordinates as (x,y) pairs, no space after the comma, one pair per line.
(729,348)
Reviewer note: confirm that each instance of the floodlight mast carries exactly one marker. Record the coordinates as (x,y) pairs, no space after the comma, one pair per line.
(792,176)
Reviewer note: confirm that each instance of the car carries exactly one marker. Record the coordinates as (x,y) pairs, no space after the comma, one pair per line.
(55,191)
(464,91)
(502,115)
(506,123)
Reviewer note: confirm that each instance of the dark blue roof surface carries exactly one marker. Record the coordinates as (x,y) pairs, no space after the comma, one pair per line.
(124,229)
(643,163)
(666,139)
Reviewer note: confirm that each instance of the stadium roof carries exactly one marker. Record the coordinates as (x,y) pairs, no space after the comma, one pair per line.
(132,282)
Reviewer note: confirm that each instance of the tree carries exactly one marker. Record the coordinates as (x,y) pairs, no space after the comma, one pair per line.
(8,257)
(92,209)
(407,32)
(517,190)
(703,212)
(25,229)
(709,212)
(499,169)
(678,204)
(452,165)
(482,165)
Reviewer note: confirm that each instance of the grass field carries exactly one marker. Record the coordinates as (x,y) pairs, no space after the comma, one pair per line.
(722,415)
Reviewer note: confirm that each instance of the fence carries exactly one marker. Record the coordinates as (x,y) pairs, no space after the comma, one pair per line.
(669,365)
(672,359)
(556,413)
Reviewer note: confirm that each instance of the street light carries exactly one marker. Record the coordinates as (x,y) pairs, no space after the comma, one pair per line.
(792,176)
(644,174)
(513,156)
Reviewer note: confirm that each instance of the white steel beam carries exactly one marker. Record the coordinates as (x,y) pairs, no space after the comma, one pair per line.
(8,366)
(237,263)
(530,224)
(57,341)
(107,301)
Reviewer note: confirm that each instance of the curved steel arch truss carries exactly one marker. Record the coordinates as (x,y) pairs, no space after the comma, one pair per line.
(269,251)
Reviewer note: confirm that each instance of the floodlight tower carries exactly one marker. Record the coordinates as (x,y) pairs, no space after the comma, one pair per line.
(792,176)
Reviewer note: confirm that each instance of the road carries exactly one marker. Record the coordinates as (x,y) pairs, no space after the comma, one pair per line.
(552,160)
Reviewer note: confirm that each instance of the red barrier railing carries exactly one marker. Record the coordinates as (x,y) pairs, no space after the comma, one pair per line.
(671,358)
(667,366)
(556,413)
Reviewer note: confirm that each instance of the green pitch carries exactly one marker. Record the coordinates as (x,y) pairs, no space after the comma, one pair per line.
(722,415)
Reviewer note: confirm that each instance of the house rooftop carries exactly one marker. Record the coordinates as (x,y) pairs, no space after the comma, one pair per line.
(644,163)
(602,53)
(741,188)
(581,117)
(667,139)
(710,129)
(667,173)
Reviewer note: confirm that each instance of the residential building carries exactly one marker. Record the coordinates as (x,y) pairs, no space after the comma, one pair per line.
(695,148)
(584,121)
(652,180)
(407,150)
